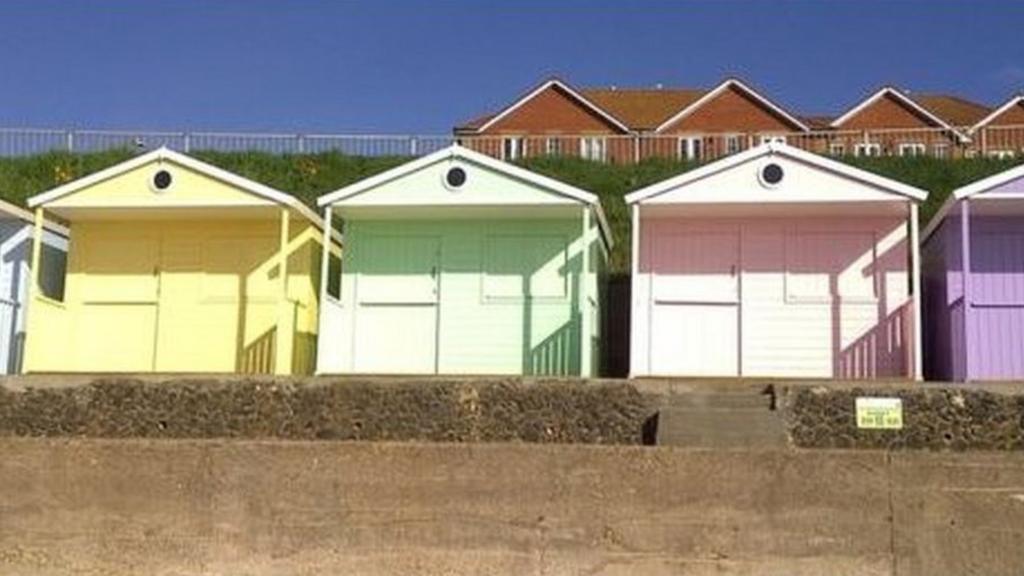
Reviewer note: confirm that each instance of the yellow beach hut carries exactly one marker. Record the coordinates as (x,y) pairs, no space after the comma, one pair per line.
(175,265)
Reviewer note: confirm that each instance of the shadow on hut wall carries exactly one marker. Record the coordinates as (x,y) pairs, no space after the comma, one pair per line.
(558,353)
(884,349)
(258,355)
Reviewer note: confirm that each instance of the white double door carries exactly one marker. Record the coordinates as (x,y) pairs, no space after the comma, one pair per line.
(695,303)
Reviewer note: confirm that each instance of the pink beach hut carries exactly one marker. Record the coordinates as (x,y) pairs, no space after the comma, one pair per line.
(776,262)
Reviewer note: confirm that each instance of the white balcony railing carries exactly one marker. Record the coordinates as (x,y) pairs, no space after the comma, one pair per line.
(1001,141)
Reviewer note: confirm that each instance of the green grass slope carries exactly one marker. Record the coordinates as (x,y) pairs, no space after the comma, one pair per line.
(311,175)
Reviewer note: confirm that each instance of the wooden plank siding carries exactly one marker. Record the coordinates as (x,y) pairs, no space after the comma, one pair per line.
(507,295)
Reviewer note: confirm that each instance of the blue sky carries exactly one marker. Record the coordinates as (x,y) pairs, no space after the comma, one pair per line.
(396,66)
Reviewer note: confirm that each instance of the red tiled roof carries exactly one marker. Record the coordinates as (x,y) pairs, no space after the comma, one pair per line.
(642,109)
(475,123)
(953,110)
(817,122)
(637,108)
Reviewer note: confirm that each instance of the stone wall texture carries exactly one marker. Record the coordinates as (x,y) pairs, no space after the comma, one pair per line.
(430,409)
(959,417)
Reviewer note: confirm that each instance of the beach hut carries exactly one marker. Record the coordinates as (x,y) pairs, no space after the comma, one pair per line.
(973,267)
(775,262)
(16,230)
(175,265)
(457,263)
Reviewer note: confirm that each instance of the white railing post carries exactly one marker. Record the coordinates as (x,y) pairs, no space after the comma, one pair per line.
(300,143)
(186,142)
(412,146)
(69,140)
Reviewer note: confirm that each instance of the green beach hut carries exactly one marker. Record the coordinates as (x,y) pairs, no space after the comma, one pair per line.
(457,263)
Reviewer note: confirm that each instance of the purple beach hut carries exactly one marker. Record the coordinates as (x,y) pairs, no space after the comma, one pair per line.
(973,282)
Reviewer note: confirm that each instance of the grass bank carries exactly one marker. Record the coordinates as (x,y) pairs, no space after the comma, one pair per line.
(307,176)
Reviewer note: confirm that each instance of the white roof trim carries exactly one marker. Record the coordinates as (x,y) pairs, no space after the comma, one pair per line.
(986,184)
(973,189)
(693,106)
(456,151)
(997,112)
(562,85)
(162,154)
(26,216)
(902,98)
(781,149)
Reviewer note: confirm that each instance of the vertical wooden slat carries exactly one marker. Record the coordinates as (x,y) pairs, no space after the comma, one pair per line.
(283,341)
(325,269)
(965,278)
(915,270)
(33,285)
(584,297)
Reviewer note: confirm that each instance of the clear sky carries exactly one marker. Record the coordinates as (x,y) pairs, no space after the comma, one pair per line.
(398,66)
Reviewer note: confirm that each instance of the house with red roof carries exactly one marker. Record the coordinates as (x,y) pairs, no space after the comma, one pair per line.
(894,122)
(622,124)
(1000,133)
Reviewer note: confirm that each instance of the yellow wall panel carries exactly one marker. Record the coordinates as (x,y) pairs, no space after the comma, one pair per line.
(181,296)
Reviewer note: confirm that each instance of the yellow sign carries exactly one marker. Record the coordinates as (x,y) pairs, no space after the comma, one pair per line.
(880,413)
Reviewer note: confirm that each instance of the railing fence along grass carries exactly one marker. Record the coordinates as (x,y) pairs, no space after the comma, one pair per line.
(999,141)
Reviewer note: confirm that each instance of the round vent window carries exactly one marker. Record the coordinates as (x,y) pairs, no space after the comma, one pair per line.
(771,174)
(162,180)
(455,177)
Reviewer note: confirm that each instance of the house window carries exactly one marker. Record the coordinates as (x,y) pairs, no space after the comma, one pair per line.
(334,276)
(691,148)
(837,149)
(867,149)
(53,264)
(732,143)
(775,138)
(553,147)
(592,148)
(911,149)
(513,148)
(940,150)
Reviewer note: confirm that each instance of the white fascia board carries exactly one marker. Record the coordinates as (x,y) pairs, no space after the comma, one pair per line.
(990,182)
(29,218)
(996,113)
(902,98)
(458,152)
(783,150)
(554,82)
(166,154)
(347,194)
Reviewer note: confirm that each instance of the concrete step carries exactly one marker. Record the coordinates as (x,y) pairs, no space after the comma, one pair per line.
(723,400)
(720,428)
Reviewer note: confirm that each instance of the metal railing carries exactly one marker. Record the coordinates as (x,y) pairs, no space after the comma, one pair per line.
(999,141)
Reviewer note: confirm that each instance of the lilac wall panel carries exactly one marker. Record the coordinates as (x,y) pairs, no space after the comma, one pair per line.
(996,322)
(996,346)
